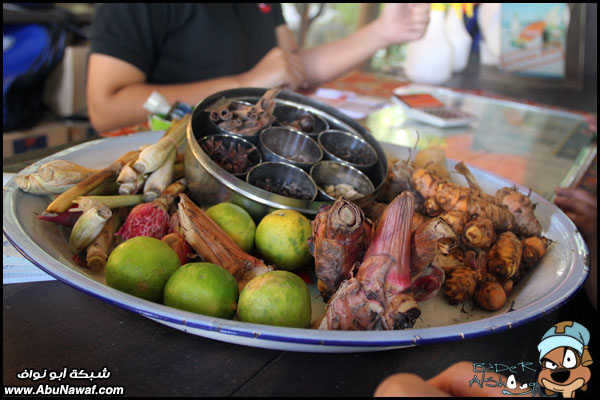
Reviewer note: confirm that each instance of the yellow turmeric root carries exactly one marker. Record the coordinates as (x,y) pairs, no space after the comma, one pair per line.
(490,296)
(479,233)
(504,257)
(449,196)
(460,285)
(526,224)
(534,248)
(456,219)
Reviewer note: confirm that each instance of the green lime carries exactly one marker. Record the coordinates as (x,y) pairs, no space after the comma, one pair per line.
(236,222)
(278,298)
(203,288)
(141,266)
(281,239)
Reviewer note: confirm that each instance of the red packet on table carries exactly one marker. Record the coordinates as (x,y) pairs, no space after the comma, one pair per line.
(426,108)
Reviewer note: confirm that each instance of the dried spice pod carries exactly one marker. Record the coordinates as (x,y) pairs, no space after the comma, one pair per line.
(490,296)
(479,233)
(246,113)
(504,257)
(234,155)
(224,113)
(460,285)
(230,124)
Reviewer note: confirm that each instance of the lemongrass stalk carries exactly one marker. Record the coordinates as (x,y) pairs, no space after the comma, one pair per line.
(85,203)
(106,188)
(64,201)
(53,177)
(88,227)
(178,171)
(128,174)
(159,179)
(152,157)
(97,252)
(130,181)
(128,188)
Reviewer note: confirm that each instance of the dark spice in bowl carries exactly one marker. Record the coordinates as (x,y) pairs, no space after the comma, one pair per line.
(232,157)
(300,120)
(289,190)
(361,156)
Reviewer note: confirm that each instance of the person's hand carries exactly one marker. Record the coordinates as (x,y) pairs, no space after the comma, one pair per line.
(277,68)
(403,22)
(581,207)
(454,381)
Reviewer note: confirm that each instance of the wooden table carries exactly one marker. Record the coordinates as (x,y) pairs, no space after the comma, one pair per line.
(49,325)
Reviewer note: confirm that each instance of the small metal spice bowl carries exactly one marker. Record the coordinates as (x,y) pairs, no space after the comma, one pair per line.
(300,119)
(332,173)
(231,152)
(347,148)
(290,146)
(284,180)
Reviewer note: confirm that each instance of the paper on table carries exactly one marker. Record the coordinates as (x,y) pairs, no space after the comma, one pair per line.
(15,267)
(349,103)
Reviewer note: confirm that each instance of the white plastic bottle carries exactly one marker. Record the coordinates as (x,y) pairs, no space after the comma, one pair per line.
(429,59)
(488,19)
(459,38)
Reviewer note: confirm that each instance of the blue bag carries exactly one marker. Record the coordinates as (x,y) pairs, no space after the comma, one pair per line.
(30,52)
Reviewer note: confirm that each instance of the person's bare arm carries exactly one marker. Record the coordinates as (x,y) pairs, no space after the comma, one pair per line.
(117,90)
(398,23)
(582,208)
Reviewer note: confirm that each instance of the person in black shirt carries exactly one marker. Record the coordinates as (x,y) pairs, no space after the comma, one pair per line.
(189,51)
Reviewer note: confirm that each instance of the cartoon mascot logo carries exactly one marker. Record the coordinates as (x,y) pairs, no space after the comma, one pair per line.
(565,359)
